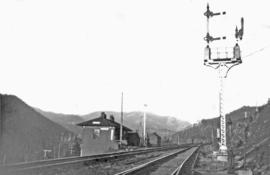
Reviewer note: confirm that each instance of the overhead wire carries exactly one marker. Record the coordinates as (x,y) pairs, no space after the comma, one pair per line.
(257,51)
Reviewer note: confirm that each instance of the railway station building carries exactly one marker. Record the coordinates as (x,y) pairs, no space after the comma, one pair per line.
(101,135)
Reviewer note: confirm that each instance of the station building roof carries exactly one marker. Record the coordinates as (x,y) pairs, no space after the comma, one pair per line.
(102,121)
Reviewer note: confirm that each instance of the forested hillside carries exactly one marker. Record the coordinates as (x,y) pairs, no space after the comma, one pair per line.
(25,133)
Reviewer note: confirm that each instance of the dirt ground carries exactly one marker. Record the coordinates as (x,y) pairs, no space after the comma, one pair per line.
(207,164)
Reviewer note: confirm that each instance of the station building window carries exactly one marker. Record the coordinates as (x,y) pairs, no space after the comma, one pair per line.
(96,133)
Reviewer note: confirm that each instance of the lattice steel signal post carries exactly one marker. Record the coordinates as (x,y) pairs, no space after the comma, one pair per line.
(223,60)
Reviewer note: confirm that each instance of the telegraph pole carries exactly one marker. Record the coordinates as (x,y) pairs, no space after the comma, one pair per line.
(121,123)
(1,120)
(1,132)
(144,125)
(224,60)
(246,129)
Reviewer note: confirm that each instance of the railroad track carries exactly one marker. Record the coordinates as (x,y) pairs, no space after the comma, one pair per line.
(179,162)
(48,164)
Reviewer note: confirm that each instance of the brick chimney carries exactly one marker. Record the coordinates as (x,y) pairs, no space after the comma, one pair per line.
(112,118)
(103,115)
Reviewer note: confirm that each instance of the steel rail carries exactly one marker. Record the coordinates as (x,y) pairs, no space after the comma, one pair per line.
(180,169)
(145,165)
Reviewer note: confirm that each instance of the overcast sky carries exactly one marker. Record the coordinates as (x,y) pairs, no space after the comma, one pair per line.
(77,56)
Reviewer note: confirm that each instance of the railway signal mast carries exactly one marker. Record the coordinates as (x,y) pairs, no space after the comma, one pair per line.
(223,60)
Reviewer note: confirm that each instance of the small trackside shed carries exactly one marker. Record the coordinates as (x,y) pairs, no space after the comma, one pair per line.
(154,139)
(133,139)
(101,135)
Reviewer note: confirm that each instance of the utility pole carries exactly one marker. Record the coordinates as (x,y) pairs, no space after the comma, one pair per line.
(59,149)
(121,123)
(60,144)
(224,60)
(212,135)
(1,117)
(1,131)
(1,120)
(144,125)
(246,130)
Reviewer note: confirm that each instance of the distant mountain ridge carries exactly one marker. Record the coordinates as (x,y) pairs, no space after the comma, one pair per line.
(68,121)
(164,125)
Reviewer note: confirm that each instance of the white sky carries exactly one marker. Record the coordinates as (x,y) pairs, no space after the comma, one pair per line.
(77,56)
